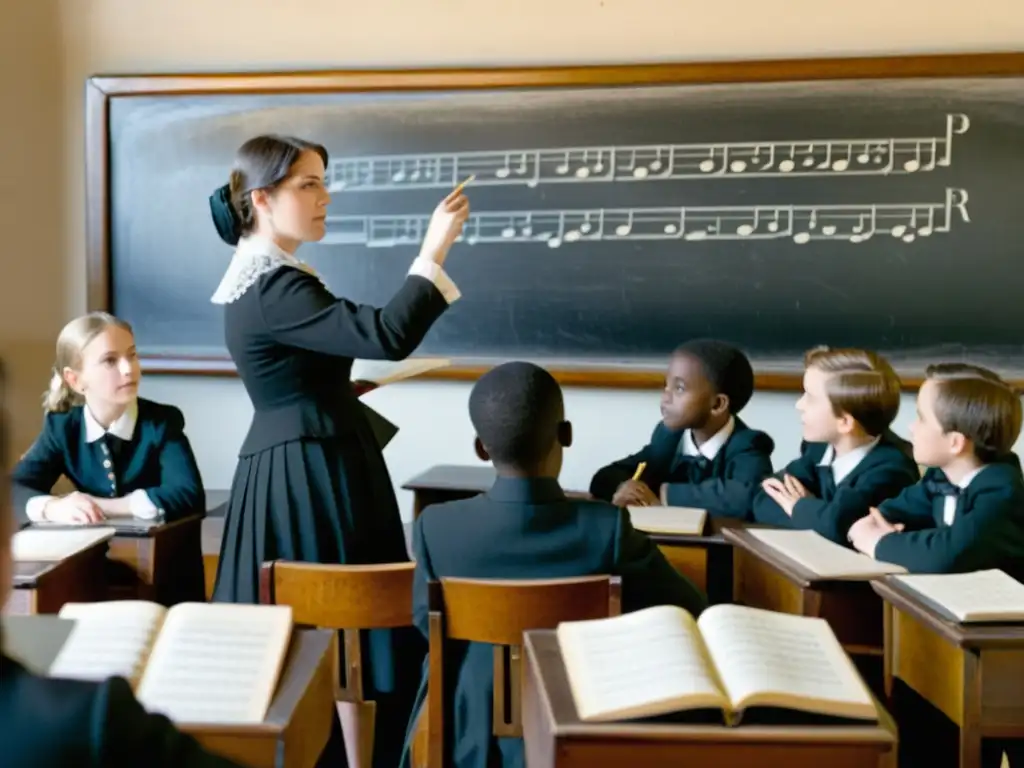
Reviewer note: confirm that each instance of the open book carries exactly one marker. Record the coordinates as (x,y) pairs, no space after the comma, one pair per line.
(54,545)
(659,660)
(680,520)
(824,558)
(380,373)
(980,596)
(195,662)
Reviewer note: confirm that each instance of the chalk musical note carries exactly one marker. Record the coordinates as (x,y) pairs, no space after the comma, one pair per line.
(639,163)
(851,223)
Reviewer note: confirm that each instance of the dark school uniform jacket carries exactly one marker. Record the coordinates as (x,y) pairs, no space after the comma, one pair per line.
(145,454)
(525,529)
(724,485)
(54,723)
(986,528)
(882,473)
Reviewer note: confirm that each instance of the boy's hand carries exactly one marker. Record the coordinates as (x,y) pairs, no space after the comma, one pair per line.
(634,493)
(869,530)
(785,492)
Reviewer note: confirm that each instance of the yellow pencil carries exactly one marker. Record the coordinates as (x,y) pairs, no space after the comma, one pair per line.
(639,470)
(469,179)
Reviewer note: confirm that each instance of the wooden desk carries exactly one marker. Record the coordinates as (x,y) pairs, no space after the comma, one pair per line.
(707,560)
(298,722)
(451,482)
(162,563)
(44,587)
(210,537)
(763,578)
(971,673)
(556,738)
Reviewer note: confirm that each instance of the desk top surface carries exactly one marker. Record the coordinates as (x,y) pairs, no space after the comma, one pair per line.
(791,570)
(545,660)
(463,477)
(26,574)
(977,636)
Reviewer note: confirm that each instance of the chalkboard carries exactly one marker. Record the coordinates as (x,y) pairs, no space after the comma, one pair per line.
(617,211)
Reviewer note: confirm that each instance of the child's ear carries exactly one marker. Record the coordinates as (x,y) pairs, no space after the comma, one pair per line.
(959,443)
(846,424)
(70,376)
(564,433)
(720,404)
(481,452)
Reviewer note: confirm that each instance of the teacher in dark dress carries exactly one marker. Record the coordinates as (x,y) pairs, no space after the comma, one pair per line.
(311,482)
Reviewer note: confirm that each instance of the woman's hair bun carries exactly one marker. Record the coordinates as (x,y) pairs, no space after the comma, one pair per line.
(225,217)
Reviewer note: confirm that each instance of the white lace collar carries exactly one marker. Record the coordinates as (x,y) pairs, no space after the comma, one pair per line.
(255,256)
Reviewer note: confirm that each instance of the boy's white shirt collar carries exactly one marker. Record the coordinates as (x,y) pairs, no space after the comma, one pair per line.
(843,465)
(964,481)
(710,448)
(950,503)
(123,427)
(254,257)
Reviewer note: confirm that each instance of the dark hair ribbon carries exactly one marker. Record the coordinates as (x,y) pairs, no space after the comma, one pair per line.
(225,217)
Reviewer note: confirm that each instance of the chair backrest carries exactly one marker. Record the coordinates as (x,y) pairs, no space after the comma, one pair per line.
(498,612)
(347,598)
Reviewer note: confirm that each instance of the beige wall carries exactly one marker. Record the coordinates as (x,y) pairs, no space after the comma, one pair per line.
(49,47)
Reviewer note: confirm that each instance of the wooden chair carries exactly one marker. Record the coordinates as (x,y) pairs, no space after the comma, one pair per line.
(498,612)
(346,598)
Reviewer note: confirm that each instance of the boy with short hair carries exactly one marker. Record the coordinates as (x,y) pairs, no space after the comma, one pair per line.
(850,460)
(967,512)
(701,454)
(524,527)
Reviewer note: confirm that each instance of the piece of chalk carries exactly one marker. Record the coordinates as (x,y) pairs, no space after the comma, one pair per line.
(468,179)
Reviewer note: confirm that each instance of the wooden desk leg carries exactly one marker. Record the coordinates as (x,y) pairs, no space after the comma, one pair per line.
(887,651)
(970,728)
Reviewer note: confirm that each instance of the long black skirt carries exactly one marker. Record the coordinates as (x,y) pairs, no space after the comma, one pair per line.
(326,502)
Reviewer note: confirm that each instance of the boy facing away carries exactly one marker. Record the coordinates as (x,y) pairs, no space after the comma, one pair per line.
(850,460)
(524,527)
(701,454)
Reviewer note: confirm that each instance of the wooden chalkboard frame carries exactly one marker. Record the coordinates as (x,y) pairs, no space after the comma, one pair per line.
(100,90)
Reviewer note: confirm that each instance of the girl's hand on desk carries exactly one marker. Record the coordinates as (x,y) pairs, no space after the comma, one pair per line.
(76,507)
(635,493)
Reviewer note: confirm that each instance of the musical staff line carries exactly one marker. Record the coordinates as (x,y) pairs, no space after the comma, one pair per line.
(605,164)
(855,223)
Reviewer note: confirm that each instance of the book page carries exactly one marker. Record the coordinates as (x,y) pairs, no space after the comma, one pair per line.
(55,545)
(383,372)
(109,638)
(217,662)
(990,595)
(824,558)
(681,520)
(643,663)
(765,658)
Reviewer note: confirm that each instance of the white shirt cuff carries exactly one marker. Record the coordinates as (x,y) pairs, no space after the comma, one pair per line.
(141,506)
(34,507)
(429,269)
